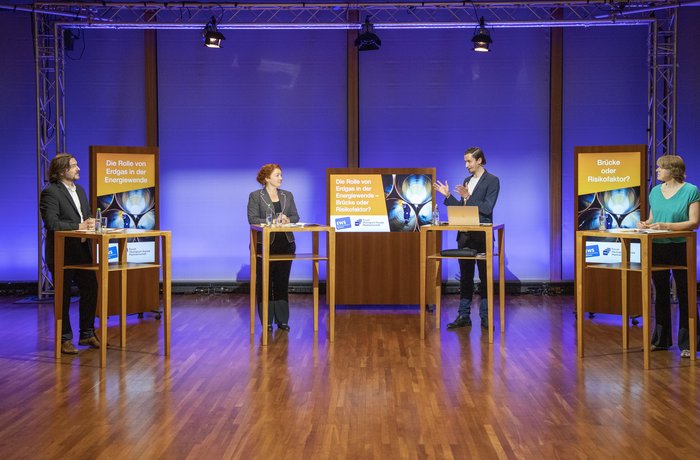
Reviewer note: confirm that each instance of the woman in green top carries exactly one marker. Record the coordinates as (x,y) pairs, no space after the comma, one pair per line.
(674,205)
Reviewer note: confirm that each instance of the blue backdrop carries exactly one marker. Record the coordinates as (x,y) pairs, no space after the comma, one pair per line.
(280,96)
(605,103)
(426,97)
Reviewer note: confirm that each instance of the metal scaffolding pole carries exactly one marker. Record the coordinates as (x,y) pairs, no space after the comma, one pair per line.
(665,76)
(50,124)
(663,40)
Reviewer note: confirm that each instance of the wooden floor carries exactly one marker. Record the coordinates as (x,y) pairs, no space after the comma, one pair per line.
(376,392)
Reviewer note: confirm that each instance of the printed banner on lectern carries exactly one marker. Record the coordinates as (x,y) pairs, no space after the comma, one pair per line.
(119,172)
(380,202)
(126,194)
(609,187)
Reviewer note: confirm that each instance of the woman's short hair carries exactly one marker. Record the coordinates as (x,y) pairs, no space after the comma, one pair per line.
(266,171)
(476,153)
(59,164)
(674,164)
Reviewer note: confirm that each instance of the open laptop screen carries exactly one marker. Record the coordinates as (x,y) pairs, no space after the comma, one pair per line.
(463,215)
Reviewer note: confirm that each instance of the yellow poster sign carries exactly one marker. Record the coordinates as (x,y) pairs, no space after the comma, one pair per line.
(120,172)
(599,172)
(357,194)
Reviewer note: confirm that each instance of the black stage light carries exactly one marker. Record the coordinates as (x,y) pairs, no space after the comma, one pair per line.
(68,39)
(367,40)
(212,37)
(482,38)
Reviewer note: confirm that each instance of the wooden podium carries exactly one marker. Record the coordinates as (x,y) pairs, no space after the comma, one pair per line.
(381,265)
(434,274)
(259,232)
(143,294)
(625,268)
(103,268)
(603,286)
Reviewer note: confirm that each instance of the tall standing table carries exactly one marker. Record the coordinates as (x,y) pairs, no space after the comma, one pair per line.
(488,230)
(646,268)
(103,267)
(260,232)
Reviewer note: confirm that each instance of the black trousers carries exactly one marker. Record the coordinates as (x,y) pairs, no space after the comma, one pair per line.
(278,308)
(670,254)
(87,288)
(477,241)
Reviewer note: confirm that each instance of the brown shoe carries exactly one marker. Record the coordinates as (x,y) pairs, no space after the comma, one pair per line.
(91,342)
(68,348)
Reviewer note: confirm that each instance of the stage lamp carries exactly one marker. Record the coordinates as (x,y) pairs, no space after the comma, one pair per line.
(68,39)
(367,40)
(212,37)
(482,38)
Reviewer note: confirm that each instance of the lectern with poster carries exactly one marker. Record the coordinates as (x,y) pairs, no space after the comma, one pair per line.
(610,182)
(377,214)
(124,185)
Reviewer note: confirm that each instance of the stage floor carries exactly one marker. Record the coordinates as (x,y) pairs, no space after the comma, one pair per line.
(376,392)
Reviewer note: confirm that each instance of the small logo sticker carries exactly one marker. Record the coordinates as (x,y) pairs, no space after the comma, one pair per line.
(342,223)
(592,251)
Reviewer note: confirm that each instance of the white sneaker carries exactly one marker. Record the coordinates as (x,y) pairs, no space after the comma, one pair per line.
(685,353)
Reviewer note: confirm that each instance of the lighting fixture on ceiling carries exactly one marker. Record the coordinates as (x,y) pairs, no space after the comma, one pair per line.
(482,38)
(367,40)
(69,39)
(212,37)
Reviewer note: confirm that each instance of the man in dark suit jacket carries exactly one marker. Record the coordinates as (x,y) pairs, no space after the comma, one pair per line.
(480,189)
(64,206)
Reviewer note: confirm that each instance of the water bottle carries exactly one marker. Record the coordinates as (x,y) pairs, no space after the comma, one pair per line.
(436,215)
(98,221)
(602,220)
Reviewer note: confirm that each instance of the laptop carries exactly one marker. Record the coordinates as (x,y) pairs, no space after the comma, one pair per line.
(463,215)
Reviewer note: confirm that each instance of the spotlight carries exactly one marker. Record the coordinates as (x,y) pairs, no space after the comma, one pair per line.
(482,37)
(68,39)
(367,40)
(212,37)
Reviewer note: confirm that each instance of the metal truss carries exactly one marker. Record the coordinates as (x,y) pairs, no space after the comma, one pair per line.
(661,136)
(51,19)
(50,116)
(542,13)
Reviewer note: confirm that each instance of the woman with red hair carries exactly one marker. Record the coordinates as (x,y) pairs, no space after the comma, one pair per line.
(272,200)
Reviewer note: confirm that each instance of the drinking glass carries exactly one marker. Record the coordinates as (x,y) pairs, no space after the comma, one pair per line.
(104,224)
(269,217)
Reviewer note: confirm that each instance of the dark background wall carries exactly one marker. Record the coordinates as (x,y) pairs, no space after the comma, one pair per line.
(280,96)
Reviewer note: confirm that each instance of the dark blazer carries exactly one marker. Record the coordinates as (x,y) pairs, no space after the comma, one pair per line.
(259,202)
(59,213)
(484,196)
